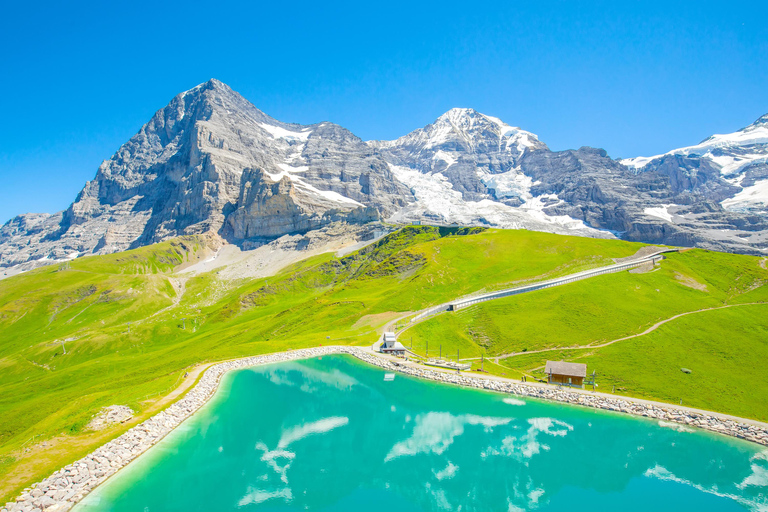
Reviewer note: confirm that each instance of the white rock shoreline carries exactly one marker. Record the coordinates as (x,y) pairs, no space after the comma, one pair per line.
(67,486)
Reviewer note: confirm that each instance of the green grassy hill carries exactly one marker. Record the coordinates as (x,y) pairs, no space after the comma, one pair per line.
(716,345)
(131,327)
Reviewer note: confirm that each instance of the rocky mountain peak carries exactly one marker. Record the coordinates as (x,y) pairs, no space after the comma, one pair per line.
(761,121)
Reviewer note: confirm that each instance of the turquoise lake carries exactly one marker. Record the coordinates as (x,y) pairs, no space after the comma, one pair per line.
(329,434)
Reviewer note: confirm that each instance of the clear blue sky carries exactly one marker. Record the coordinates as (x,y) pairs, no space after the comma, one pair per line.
(636,78)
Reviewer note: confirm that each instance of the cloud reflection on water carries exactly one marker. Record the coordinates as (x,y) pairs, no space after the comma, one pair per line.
(280,459)
(434,432)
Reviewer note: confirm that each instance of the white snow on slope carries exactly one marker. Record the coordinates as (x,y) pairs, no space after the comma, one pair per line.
(281,133)
(333,196)
(732,153)
(661,212)
(515,136)
(714,147)
(290,168)
(436,200)
(749,197)
(508,184)
(287,171)
(468,126)
(445,157)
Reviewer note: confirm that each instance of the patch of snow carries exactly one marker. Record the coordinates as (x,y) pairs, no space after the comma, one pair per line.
(327,194)
(516,136)
(508,184)
(638,162)
(661,212)
(731,151)
(330,194)
(281,133)
(748,198)
(289,168)
(278,176)
(445,157)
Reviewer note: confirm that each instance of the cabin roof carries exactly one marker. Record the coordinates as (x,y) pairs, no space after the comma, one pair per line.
(567,369)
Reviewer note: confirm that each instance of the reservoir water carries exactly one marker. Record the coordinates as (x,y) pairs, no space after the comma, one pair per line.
(330,434)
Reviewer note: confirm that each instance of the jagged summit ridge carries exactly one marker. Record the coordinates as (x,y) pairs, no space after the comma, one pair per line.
(466,129)
(738,160)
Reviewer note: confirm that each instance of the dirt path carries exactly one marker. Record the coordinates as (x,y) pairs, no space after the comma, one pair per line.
(179,285)
(601,345)
(45,457)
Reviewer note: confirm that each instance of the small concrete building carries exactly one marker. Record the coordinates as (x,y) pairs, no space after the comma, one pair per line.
(566,374)
(390,345)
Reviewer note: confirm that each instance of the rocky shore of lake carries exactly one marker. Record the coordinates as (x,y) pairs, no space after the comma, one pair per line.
(67,486)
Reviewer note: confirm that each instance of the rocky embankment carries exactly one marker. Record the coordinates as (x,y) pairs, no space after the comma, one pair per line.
(67,486)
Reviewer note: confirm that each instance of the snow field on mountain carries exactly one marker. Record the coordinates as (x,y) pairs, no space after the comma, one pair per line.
(435,196)
(748,198)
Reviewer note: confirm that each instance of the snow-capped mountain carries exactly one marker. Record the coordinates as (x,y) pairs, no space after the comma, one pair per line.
(210,161)
(465,168)
(740,158)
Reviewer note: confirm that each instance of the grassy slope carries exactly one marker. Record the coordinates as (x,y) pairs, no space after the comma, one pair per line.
(126,338)
(610,307)
(130,337)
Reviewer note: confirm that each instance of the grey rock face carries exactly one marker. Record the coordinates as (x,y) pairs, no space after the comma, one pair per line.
(211,161)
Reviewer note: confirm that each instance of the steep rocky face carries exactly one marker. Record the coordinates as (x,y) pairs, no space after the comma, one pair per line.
(719,188)
(207,157)
(269,208)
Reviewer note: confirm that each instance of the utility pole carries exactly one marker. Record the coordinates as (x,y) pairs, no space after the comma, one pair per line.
(427,349)
(482,360)
(457,356)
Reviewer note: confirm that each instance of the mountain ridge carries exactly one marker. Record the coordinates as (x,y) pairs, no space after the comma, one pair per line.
(210,161)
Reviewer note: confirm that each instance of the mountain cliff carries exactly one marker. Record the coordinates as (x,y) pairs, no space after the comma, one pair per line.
(210,161)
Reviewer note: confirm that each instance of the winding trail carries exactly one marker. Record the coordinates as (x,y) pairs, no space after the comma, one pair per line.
(607,343)
(179,285)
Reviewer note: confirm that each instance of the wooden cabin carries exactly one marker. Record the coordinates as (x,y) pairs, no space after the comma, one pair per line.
(566,374)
